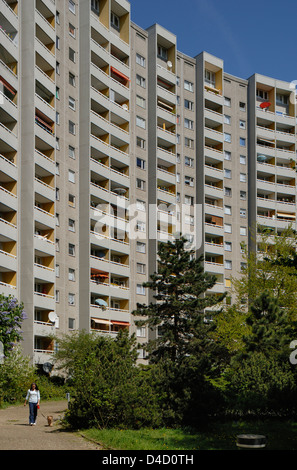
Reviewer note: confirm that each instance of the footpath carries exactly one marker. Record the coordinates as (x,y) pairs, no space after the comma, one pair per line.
(17,434)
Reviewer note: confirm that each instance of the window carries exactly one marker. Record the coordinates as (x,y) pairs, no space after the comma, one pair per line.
(71,30)
(140,332)
(162,53)
(228,264)
(57,17)
(57,296)
(242,159)
(210,78)
(227,119)
(227,101)
(188,85)
(178,177)
(140,247)
(140,60)
(72,6)
(71,249)
(189,143)
(71,274)
(242,106)
(228,228)
(241,141)
(227,155)
(71,103)
(242,124)
(140,81)
(71,176)
(189,219)
(189,124)
(57,220)
(242,177)
(140,122)
(242,231)
(263,95)
(57,194)
(57,118)
(57,93)
(71,323)
(243,195)
(57,42)
(140,143)
(57,168)
(227,210)
(189,200)
(71,299)
(140,268)
(140,205)
(281,99)
(228,246)
(228,191)
(242,212)
(114,21)
(140,101)
(227,173)
(189,181)
(227,282)
(71,54)
(71,79)
(58,68)
(140,289)
(95,6)
(140,184)
(57,270)
(140,226)
(189,162)
(71,128)
(71,152)
(227,137)
(189,105)
(71,200)
(140,163)
(71,225)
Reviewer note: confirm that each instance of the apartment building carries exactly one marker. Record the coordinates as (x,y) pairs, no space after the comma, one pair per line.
(111,141)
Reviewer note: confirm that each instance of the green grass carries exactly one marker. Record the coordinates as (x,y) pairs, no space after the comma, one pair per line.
(282,435)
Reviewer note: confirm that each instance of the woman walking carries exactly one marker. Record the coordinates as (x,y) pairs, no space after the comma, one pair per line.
(33,397)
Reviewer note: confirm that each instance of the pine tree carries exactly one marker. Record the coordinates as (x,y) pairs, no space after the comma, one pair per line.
(179,287)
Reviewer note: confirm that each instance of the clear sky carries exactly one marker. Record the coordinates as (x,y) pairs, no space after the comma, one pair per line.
(251,36)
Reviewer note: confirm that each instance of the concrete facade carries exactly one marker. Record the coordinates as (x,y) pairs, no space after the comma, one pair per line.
(112,140)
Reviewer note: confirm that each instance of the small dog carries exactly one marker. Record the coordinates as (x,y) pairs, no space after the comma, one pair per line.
(50,420)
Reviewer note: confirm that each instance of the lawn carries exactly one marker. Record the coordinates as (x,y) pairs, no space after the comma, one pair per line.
(281,435)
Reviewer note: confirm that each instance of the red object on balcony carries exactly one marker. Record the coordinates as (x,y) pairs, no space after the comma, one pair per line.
(7,86)
(120,74)
(264,105)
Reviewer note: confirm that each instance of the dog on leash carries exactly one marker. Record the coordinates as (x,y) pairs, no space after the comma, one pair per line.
(50,420)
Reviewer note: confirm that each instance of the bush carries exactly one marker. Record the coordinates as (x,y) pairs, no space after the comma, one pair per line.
(16,375)
(109,389)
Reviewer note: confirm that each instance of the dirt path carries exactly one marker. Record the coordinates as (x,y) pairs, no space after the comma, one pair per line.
(16,434)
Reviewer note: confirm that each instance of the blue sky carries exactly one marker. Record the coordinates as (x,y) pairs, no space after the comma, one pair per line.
(250,36)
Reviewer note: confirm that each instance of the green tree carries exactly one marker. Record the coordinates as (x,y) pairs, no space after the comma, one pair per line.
(178,309)
(260,377)
(12,315)
(185,354)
